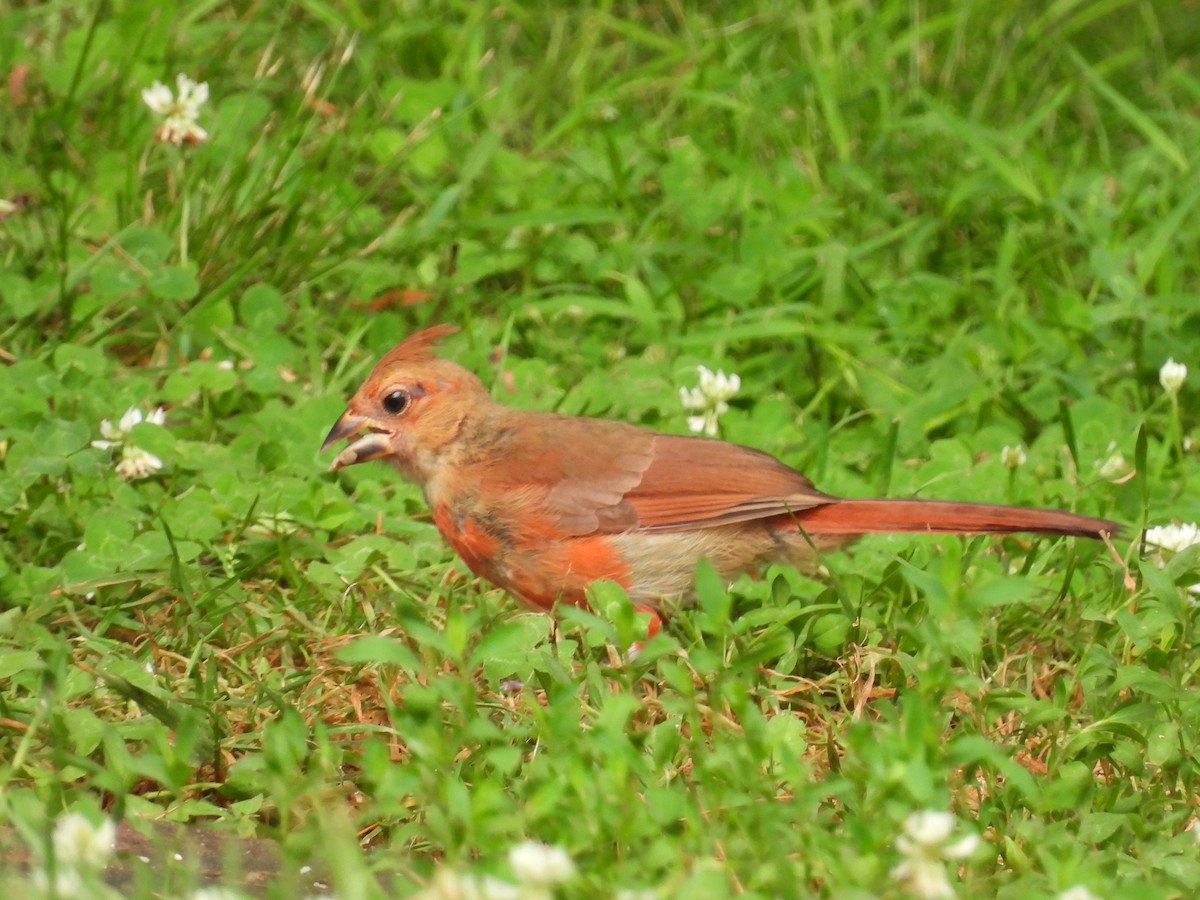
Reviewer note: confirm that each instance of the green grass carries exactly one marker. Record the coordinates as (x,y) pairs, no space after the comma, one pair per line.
(918,231)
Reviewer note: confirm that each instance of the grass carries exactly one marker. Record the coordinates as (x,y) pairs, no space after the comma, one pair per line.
(920,232)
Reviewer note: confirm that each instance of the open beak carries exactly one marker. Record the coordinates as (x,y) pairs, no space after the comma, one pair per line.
(370,446)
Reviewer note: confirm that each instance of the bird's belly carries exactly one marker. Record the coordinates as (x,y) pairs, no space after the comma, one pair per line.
(663,564)
(652,566)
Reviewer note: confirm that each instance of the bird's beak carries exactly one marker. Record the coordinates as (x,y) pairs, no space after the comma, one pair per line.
(369,446)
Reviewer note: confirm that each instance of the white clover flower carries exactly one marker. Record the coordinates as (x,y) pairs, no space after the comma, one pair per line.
(606,112)
(1171,376)
(135,462)
(1077,892)
(179,112)
(709,399)
(215,892)
(539,865)
(115,436)
(489,888)
(925,848)
(718,384)
(1174,537)
(1013,457)
(78,844)
(272,524)
(1114,464)
(1194,828)
(67,883)
(450,885)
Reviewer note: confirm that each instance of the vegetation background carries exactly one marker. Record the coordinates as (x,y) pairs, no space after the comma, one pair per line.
(919,231)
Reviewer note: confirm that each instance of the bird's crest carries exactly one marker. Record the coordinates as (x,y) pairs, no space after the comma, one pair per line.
(416,347)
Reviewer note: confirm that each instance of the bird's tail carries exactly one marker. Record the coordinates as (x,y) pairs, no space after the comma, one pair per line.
(946,517)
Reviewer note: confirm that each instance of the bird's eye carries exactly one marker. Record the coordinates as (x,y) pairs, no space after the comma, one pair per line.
(397,402)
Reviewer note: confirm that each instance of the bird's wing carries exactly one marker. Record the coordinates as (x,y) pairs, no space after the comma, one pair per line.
(696,482)
(593,476)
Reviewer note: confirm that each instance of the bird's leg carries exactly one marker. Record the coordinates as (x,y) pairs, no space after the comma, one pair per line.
(653,627)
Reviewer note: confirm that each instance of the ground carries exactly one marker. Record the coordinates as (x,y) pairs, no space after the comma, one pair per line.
(923,235)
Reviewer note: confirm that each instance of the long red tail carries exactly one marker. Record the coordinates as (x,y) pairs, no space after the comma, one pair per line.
(946,517)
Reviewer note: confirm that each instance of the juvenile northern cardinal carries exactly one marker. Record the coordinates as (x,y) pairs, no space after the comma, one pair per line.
(542,505)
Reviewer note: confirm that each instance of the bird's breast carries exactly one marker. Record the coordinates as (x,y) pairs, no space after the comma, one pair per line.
(533,563)
(479,546)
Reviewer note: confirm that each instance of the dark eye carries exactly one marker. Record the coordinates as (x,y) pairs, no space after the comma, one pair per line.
(397,402)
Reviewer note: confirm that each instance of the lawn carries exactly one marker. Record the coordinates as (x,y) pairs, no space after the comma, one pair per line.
(947,247)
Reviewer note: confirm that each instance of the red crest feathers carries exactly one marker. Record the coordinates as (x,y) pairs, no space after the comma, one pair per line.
(417,346)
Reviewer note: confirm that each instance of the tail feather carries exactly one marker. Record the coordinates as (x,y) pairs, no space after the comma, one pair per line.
(946,517)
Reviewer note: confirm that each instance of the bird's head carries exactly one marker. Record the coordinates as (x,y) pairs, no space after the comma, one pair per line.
(410,409)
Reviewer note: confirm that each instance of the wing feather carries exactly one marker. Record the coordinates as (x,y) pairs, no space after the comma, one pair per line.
(699,483)
(619,477)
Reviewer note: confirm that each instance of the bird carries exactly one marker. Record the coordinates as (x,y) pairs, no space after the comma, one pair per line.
(543,505)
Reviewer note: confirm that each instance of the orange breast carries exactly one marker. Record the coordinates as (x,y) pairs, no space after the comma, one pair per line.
(537,568)
(477,547)
(562,570)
